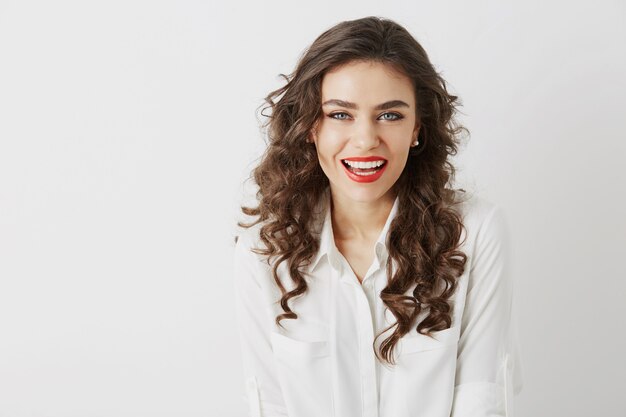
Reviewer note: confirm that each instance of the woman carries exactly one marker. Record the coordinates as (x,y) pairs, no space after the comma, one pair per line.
(367,286)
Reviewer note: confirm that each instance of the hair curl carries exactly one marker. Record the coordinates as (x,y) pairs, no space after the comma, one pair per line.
(424,236)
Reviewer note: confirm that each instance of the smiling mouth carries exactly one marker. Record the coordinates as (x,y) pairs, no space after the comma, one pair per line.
(363,171)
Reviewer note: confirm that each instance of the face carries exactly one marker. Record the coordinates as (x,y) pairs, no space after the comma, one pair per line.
(368,112)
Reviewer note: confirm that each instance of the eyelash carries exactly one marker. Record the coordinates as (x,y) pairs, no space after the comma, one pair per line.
(398,116)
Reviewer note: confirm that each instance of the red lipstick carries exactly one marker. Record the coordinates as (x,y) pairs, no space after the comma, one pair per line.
(365,158)
(366,175)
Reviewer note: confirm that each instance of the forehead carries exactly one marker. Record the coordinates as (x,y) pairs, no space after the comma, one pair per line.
(367,83)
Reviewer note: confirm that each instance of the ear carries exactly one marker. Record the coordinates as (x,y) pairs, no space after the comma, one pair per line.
(416,131)
(313,134)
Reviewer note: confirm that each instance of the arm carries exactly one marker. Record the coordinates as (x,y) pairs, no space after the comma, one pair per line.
(263,393)
(488,359)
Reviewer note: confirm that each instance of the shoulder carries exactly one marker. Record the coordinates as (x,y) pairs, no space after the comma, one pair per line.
(248,266)
(247,239)
(482,218)
(247,235)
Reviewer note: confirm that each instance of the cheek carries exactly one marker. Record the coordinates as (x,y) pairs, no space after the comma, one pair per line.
(400,159)
(327,151)
(327,162)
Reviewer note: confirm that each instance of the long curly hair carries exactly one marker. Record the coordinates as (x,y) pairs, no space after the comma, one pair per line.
(424,237)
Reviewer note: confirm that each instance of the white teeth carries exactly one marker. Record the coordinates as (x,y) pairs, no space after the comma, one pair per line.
(364,165)
(364,174)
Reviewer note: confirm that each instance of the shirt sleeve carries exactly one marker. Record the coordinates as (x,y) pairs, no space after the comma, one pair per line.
(489,370)
(263,394)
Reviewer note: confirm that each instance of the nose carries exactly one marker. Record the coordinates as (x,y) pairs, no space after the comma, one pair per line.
(365,135)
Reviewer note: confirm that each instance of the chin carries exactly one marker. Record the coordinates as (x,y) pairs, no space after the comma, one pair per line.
(366,194)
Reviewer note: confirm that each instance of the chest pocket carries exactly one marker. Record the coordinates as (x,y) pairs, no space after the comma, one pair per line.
(426,366)
(304,372)
(413,342)
(304,350)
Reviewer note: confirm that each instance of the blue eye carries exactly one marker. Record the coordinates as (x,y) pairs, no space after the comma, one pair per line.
(396,116)
(332,115)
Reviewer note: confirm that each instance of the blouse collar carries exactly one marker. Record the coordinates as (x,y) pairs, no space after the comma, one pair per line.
(327,241)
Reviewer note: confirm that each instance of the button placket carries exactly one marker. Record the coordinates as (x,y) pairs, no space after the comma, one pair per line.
(334,282)
(365,324)
(367,359)
(254,403)
(365,319)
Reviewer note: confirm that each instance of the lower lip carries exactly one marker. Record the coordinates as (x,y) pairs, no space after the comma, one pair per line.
(364,178)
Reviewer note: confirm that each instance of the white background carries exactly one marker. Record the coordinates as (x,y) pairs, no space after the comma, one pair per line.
(128,128)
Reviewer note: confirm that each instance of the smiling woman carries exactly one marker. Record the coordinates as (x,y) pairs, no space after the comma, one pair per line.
(378,112)
(368,285)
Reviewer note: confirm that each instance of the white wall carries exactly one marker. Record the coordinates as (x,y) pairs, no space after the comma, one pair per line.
(127,129)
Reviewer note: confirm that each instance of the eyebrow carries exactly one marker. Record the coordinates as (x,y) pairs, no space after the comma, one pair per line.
(349,105)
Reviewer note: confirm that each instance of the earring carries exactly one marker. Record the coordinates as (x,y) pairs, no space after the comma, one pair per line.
(416,142)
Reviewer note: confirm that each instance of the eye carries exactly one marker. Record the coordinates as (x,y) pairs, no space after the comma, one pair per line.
(393,116)
(332,115)
(396,116)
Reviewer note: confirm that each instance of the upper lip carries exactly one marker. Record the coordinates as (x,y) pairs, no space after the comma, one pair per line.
(364,158)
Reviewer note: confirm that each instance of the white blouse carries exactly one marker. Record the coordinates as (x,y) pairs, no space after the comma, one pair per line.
(323,364)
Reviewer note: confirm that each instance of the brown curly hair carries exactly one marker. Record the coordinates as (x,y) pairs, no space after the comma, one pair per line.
(424,236)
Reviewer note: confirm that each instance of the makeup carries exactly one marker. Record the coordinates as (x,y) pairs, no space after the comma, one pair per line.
(364,169)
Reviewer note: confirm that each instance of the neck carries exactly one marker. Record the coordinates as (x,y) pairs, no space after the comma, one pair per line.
(354,220)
